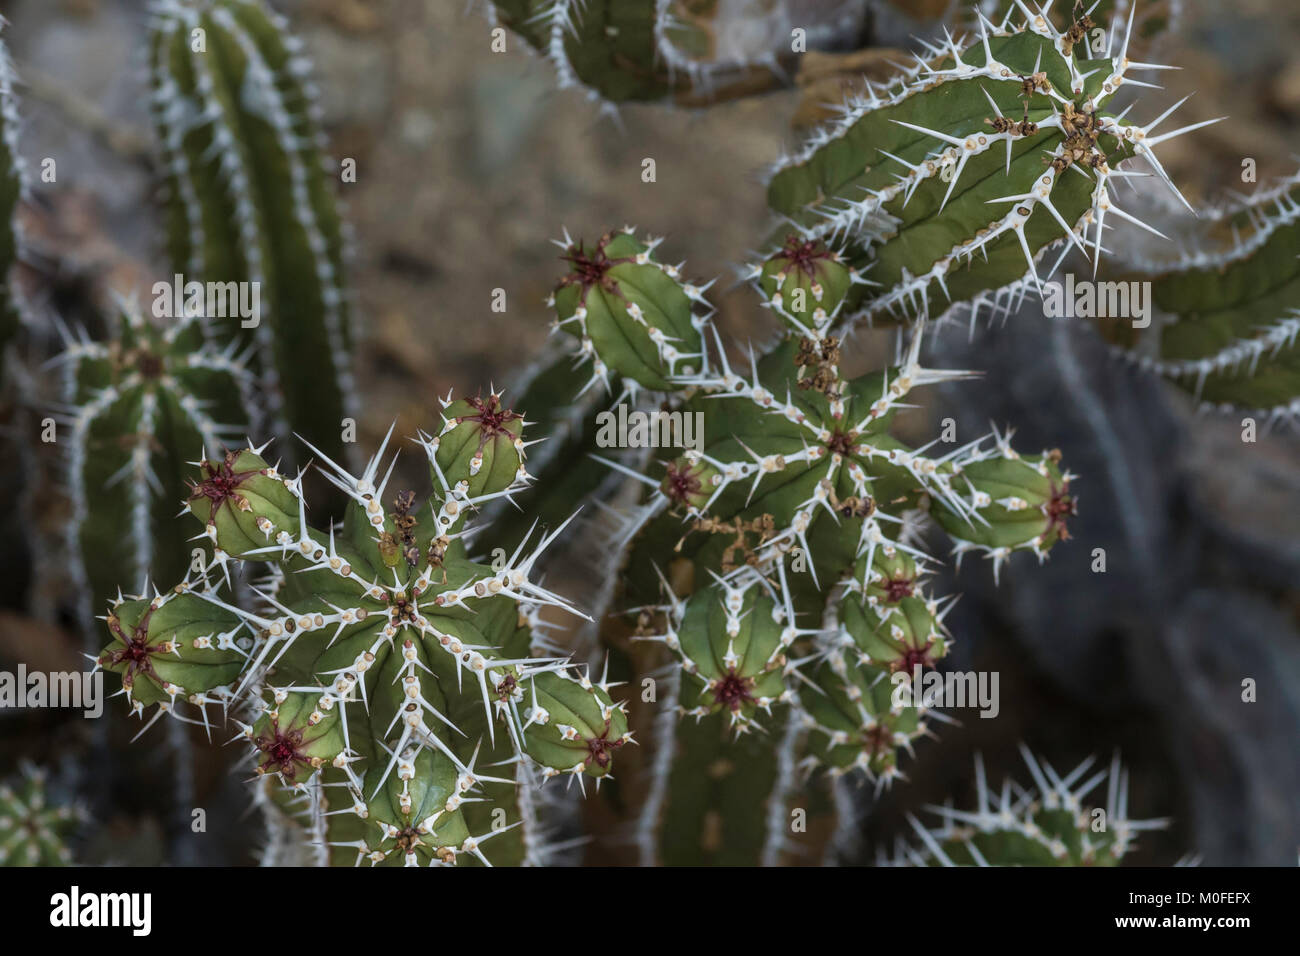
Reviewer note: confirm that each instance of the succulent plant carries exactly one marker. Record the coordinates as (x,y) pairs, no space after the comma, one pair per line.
(1227,314)
(250,205)
(788,530)
(34,829)
(395,686)
(652,50)
(137,407)
(947,186)
(770,530)
(13,185)
(1046,824)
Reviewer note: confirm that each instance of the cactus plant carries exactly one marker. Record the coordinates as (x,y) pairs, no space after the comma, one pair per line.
(1047,824)
(792,523)
(1090,21)
(390,673)
(384,672)
(17,490)
(649,50)
(948,185)
(33,828)
(1228,313)
(250,202)
(137,408)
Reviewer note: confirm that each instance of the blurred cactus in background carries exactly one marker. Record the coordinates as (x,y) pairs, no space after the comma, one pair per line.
(1047,824)
(690,51)
(136,407)
(33,828)
(13,186)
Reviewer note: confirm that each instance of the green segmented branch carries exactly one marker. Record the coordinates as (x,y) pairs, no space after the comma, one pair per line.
(562,465)
(1227,317)
(33,829)
(383,671)
(1046,824)
(250,200)
(636,50)
(718,801)
(947,185)
(138,407)
(632,315)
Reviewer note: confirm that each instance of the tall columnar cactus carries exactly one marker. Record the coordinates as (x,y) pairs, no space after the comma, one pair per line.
(1046,824)
(395,690)
(250,201)
(136,408)
(787,524)
(1227,314)
(33,829)
(948,185)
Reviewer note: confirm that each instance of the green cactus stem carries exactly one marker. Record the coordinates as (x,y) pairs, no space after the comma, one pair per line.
(250,201)
(1046,824)
(13,187)
(649,50)
(633,316)
(136,408)
(718,800)
(1227,316)
(947,186)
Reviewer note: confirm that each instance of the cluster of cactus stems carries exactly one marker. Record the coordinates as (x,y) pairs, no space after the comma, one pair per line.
(1046,824)
(400,691)
(250,221)
(792,527)
(249,204)
(34,829)
(949,184)
(399,697)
